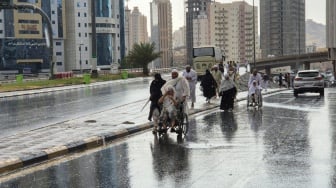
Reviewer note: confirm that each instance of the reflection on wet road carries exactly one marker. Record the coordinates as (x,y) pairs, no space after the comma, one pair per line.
(289,143)
(34,111)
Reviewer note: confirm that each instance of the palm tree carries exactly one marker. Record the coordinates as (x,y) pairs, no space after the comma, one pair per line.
(142,54)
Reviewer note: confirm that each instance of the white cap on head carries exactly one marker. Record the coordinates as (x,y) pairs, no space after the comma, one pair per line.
(226,75)
(187,66)
(215,66)
(175,70)
(170,88)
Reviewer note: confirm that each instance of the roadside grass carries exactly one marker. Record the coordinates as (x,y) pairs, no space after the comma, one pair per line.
(39,84)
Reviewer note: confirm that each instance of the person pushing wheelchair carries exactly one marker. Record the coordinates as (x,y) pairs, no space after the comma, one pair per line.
(169,103)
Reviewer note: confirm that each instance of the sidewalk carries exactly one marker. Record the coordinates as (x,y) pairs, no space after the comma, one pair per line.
(87,132)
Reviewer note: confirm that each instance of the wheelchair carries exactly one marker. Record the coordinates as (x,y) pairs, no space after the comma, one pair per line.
(257,102)
(181,121)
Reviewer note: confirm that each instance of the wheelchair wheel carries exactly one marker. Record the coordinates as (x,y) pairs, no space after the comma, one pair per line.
(185,124)
(260,101)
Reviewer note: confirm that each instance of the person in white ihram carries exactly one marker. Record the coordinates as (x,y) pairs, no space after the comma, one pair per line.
(255,76)
(217,75)
(181,86)
(254,84)
(253,89)
(191,76)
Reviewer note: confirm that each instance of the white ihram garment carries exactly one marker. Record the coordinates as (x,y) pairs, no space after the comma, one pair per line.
(192,83)
(181,89)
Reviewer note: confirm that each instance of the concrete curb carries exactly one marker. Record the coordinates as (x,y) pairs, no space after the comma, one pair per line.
(10,165)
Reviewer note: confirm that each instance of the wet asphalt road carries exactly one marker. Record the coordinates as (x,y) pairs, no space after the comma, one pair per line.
(29,112)
(290,143)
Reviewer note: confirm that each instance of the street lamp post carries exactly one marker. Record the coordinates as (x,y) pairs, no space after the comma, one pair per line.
(80,57)
(254,53)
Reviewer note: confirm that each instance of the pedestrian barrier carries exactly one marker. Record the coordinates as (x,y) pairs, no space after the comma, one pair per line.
(124,74)
(19,78)
(61,75)
(87,78)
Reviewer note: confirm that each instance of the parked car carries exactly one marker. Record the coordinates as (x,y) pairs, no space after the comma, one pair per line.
(308,81)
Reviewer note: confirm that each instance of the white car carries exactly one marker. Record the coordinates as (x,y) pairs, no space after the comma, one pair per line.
(308,81)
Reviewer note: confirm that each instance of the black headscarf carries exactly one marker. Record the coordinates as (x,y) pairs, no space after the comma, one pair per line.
(155,87)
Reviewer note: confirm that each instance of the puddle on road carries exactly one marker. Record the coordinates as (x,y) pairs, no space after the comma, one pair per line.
(128,122)
(210,145)
(90,121)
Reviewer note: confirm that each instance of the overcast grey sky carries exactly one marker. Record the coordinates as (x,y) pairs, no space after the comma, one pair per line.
(315,10)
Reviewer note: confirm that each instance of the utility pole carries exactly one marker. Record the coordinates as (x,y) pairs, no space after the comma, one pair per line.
(94,72)
(254,53)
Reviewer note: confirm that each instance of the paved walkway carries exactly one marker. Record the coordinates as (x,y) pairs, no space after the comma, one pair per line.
(91,131)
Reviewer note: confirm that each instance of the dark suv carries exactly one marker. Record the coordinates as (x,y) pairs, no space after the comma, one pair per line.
(308,81)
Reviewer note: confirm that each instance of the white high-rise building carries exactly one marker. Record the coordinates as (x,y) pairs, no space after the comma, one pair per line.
(109,21)
(231,29)
(135,28)
(161,31)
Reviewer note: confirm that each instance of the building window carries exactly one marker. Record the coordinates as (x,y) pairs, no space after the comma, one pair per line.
(78,14)
(58,43)
(79,34)
(59,63)
(79,25)
(59,53)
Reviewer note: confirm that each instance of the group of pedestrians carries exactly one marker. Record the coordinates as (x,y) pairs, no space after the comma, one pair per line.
(166,95)
(284,80)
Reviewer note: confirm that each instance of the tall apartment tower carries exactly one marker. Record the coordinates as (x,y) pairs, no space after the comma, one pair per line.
(22,40)
(231,29)
(193,9)
(161,31)
(201,34)
(179,38)
(109,38)
(136,24)
(282,27)
(331,30)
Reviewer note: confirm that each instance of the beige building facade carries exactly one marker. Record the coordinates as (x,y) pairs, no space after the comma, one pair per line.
(231,29)
(135,28)
(161,32)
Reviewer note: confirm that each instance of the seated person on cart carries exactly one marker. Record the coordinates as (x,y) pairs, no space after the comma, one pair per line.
(253,93)
(169,107)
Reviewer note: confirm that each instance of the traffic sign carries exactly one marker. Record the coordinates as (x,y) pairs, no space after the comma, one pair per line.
(5,3)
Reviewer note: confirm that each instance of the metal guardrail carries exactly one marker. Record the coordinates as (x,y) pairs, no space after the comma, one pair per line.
(292,59)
